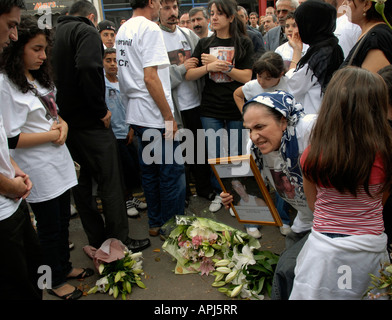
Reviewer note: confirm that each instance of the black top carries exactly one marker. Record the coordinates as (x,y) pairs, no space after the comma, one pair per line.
(78,70)
(217,96)
(379,37)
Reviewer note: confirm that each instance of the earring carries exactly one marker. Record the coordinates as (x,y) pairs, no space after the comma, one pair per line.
(364,14)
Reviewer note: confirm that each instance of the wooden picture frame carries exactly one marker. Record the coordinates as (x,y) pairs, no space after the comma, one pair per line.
(241,177)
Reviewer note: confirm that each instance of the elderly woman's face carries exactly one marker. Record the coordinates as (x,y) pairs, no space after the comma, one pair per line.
(265,131)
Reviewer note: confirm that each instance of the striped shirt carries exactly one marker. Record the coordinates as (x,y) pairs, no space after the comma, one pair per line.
(343,213)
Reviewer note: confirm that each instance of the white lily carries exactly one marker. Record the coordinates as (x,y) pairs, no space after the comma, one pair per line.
(244,258)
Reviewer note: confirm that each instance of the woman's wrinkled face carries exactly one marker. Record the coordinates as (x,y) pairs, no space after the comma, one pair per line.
(265,131)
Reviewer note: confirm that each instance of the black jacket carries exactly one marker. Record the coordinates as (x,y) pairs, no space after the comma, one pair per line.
(78,71)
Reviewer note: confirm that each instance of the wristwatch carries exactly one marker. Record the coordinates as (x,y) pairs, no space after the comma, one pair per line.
(230,68)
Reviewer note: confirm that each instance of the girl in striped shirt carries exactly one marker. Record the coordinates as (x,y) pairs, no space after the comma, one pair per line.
(347,176)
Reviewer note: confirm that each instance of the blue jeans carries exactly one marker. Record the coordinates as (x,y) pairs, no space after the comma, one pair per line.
(163,175)
(281,207)
(235,132)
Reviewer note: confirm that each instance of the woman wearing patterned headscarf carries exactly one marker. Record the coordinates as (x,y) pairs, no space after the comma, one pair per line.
(309,75)
(279,131)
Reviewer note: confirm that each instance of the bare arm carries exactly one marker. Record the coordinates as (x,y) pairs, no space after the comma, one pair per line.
(18,187)
(310,193)
(239,98)
(375,60)
(27,140)
(154,87)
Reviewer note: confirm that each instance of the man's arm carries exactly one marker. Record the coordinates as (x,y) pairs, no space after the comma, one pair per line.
(154,87)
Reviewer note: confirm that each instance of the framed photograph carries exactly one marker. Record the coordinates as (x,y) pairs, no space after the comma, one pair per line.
(252,202)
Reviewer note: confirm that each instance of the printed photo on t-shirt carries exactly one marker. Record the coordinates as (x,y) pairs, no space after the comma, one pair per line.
(225,54)
(49,102)
(179,56)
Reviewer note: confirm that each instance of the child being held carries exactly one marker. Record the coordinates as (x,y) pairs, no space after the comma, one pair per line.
(270,72)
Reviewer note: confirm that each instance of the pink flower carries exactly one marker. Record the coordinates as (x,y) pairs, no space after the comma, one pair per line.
(197,241)
(206,266)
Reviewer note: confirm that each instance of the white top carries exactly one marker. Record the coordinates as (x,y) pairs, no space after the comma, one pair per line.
(50,166)
(305,88)
(347,33)
(286,51)
(140,44)
(188,97)
(7,206)
(252,88)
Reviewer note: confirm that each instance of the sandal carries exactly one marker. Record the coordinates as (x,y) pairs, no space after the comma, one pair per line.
(74,295)
(87,272)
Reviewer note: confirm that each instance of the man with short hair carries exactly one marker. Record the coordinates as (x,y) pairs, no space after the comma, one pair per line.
(19,244)
(276,36)
(200,21)
(107,31)
(144,79)
(270,11)
(80,82)
(269,22)
(253,18)
(185,22)
(254,35)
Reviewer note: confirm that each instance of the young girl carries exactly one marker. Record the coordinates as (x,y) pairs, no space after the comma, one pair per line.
(36,135)
(347,171)
(225,63)
(269,69)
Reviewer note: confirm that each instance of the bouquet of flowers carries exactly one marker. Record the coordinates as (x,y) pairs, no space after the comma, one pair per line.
(120,269)
(202,245)
(245,272)
(382,285)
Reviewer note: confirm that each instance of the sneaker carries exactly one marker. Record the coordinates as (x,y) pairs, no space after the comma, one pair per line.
(285,229)
(216,204)
(254,232)
(137,203)
(131,210)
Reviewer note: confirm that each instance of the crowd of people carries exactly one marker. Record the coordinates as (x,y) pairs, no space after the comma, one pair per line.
(305,89)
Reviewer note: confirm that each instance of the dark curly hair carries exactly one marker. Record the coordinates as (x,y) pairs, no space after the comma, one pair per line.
(12,63)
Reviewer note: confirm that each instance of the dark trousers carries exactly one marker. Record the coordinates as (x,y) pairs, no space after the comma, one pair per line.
(21,257)
(201,172)
(96,151)
(130,164)
(52,226)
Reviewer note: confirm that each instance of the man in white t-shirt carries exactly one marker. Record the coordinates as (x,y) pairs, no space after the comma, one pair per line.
(144,78)
(19,244)
(180,44)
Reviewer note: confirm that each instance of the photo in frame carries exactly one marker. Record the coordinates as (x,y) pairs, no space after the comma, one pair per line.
(241,177)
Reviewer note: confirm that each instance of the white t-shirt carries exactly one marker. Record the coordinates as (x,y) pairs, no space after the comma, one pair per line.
(347,33)
(7,206)
(177,46)
(253,88)
(305,88)
(274,164)
(50,166)
(140,44)
(286,51)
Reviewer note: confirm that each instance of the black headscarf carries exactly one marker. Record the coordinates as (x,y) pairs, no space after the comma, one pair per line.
(316,21)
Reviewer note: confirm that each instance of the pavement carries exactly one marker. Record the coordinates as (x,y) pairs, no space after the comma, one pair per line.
(159,277)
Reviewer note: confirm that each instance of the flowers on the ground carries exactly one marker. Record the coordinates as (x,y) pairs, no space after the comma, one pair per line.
(119,276)
(382,285)
(202,245)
